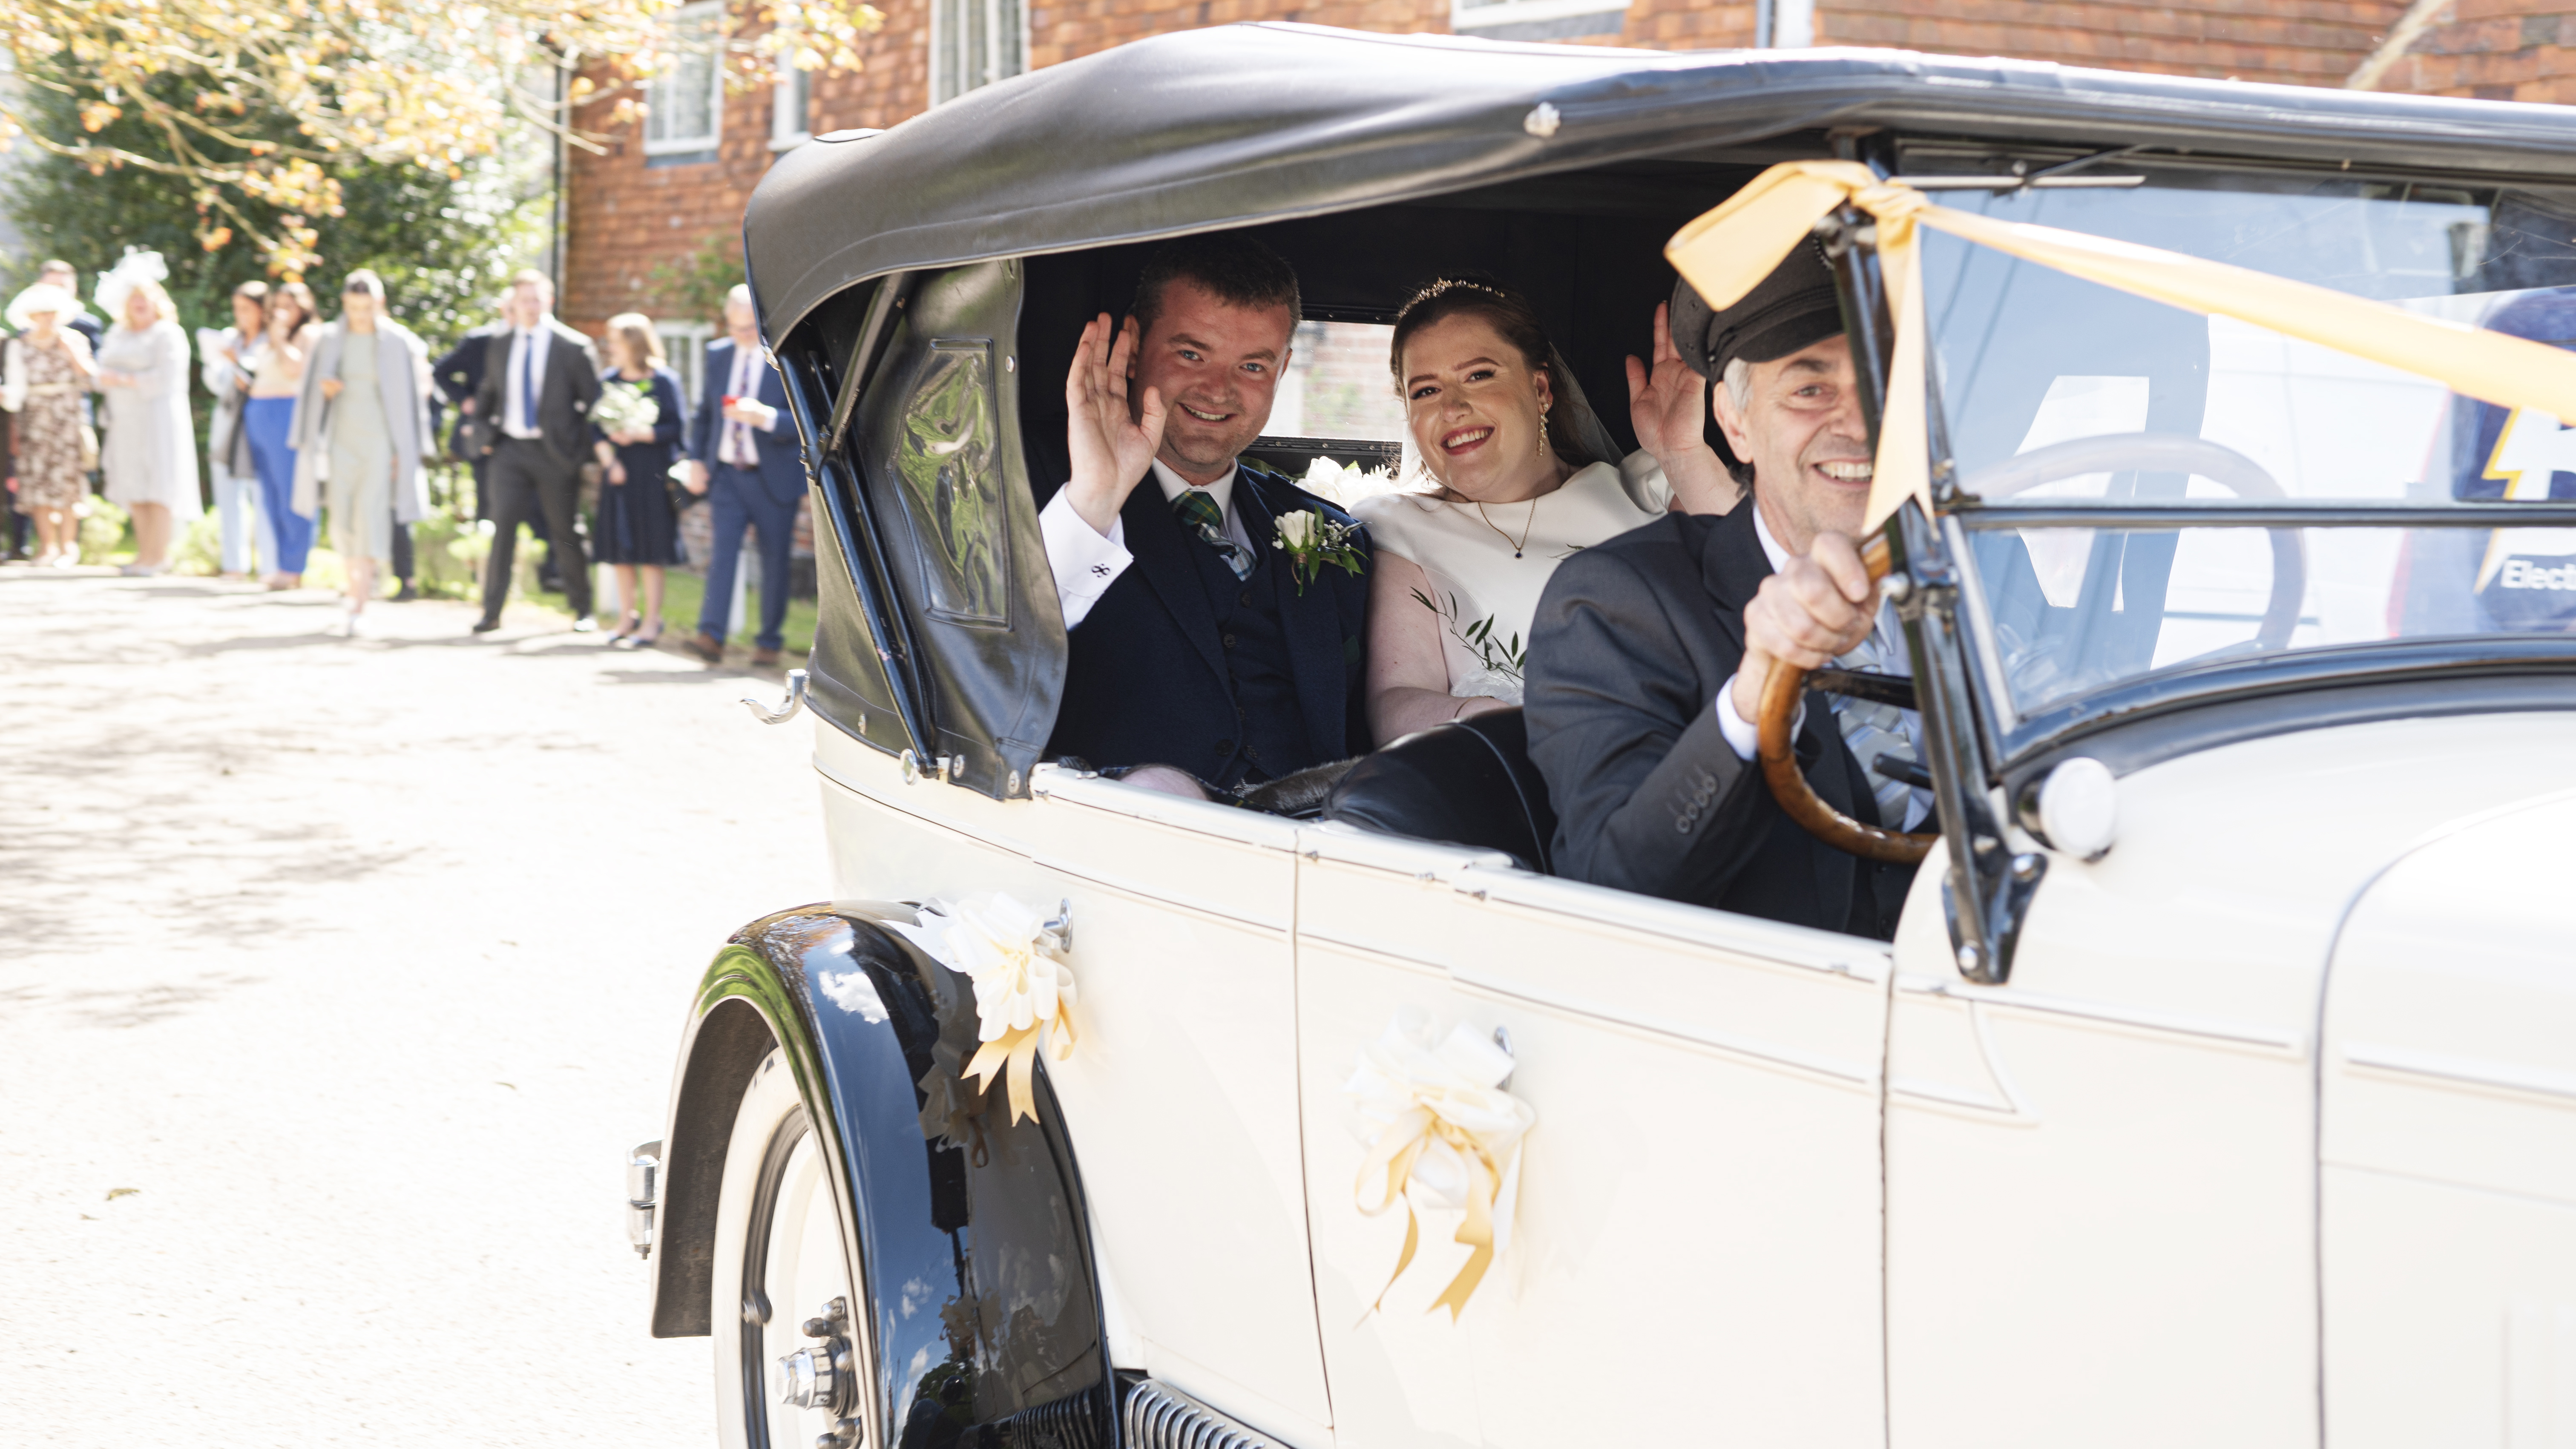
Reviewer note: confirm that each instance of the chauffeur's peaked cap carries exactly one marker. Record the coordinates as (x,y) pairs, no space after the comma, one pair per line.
(1794,307)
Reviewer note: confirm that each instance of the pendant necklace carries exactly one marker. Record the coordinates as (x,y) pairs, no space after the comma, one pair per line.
(1525,528)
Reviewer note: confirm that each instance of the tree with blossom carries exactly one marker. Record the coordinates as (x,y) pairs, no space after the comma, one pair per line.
(256,104)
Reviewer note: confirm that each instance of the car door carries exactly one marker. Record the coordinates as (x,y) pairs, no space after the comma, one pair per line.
(2449,1174)
(2100,1174)
(1180,1094)
(1698,1226)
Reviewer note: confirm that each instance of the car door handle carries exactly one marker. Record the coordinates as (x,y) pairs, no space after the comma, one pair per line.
(788,708)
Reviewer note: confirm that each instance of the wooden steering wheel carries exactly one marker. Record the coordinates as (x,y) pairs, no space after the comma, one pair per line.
(2119,452)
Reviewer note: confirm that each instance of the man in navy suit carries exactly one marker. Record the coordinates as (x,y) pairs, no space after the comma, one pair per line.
(753,473)
(1192,646)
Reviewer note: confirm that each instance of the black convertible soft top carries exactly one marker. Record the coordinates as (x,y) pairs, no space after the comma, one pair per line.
(1245,123)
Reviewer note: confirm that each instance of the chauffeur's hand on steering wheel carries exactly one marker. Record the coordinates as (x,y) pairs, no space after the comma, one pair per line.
(1112,445)
(1812,611)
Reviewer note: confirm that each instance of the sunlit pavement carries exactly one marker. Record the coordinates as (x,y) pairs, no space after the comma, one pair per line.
(361,963)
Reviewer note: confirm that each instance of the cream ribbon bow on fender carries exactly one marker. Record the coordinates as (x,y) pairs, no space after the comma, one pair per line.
(1440,1124)
(1725,252)
(1023,993)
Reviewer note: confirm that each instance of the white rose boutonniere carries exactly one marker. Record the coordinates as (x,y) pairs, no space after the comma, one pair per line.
(1314,542)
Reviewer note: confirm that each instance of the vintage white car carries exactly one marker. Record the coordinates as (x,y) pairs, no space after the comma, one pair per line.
(2219,1085)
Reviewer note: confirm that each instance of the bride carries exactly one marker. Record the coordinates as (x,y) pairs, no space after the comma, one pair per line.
(1527,476)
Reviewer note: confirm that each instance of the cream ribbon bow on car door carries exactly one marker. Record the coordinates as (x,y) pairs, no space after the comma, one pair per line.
(1727,250)
(1441,1126)
(1023,991)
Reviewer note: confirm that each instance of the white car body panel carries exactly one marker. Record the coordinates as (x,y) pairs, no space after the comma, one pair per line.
(2102,1175)
(1182,1098)
(2118,1186)
(2450,1142)
(1707,1216)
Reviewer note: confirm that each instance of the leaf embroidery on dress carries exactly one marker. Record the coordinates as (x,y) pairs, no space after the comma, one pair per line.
(1501,657)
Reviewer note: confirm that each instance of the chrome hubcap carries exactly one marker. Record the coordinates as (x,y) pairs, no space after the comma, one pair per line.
(815,1377)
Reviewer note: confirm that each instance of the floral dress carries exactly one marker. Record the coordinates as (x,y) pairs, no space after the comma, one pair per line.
(53,466)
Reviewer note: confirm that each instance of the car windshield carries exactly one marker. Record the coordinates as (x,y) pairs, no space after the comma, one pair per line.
(2060,392)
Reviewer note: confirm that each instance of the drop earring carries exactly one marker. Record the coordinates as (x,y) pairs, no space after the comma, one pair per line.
(1542,435)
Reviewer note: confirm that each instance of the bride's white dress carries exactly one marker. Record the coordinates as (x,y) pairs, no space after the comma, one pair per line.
(1485,598)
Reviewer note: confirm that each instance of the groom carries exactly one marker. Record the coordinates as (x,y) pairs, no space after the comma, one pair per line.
(1192,646)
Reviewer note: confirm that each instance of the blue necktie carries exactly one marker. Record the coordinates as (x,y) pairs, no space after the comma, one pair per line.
(528,383)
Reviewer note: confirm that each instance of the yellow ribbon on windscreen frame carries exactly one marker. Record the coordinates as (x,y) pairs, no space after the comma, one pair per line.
(1727,251)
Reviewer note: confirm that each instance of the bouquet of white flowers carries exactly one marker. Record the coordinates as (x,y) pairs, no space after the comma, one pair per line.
(625,408)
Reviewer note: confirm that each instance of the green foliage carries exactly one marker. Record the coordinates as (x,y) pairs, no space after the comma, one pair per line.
(200,552)
(103,531)
(443,243)
(692,288)
(447,550)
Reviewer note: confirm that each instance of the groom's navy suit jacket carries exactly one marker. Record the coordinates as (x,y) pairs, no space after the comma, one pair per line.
(1179,663)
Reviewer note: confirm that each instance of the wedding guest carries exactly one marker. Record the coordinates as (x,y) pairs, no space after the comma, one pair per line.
(364,409)
(227,360)
(459,376)
(60,273)
(277,375)
(748,463)
(51,373)
(13,391)
(149,451)
(539,379)
(638,422)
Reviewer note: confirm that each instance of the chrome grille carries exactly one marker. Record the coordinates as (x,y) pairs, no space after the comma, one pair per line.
(1158,1416)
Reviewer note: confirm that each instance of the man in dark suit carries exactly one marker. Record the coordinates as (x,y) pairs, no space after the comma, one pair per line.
(1649,652)
(752,470)
(539,381)
(1192,646)
(459,377)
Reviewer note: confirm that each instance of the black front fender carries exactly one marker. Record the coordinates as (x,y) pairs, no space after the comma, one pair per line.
(969,1233)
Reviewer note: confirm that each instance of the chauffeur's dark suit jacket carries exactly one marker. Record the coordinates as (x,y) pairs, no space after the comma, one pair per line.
(1632,641)
(1174,662)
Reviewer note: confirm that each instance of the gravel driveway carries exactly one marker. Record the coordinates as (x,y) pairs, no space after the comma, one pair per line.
(361,964)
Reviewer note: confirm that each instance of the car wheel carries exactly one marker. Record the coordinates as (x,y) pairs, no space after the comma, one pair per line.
(790,1369)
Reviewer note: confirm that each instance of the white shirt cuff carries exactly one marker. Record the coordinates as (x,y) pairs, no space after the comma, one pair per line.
(1085,563)
(1746,739)
(1642,476)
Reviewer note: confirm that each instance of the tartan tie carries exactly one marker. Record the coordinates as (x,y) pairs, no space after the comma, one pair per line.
(1199,513)
(1877,732)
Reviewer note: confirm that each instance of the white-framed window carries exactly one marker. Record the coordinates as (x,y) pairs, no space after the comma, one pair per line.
(1537,19)
(684,347)
(975,43)
(686,99)
(790,104)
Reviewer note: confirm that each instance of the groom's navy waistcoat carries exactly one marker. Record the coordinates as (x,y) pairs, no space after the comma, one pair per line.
(1180,663)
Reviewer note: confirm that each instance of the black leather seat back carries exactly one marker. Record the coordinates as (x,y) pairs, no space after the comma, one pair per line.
(1467,782)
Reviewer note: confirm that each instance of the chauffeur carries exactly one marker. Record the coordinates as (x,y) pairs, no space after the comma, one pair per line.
(1649,652)
(1192,647)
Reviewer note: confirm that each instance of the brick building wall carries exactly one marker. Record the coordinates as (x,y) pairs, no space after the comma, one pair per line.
(2494,50)
(629,214)
(2294,42)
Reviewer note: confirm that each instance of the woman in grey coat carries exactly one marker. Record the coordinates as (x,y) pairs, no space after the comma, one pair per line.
(361,429)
